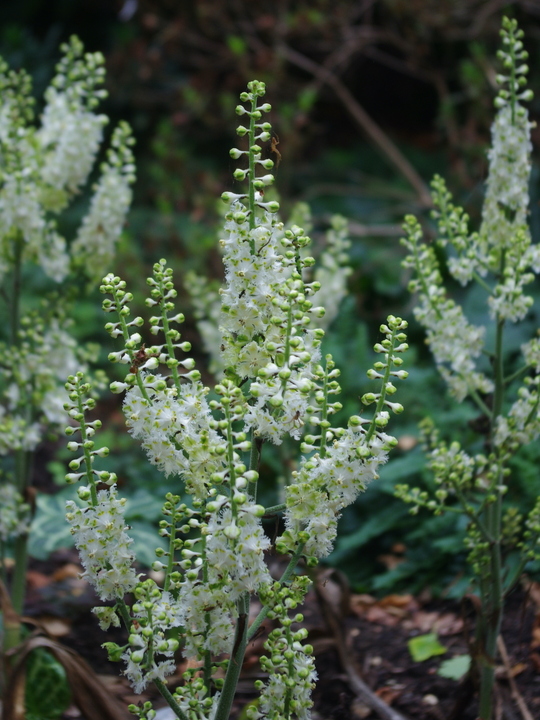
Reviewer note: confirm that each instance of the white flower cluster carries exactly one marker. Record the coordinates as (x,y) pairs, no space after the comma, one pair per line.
(104,546)
(347,459)
(330,274)
(14,513)
(70,132)
(289,663)
(44,167)
(332,271)
(174,429)
(506,204)
(95,243)
(454,341)
(154,613)
(37,368)
(265,324)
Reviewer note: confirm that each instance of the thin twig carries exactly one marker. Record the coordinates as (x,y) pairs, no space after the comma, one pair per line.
(516,695)
(361,117)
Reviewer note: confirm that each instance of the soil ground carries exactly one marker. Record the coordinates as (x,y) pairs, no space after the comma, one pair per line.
(352,635)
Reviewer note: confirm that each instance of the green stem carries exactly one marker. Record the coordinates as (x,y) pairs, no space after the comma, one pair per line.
(256,624)
(516,374)
(492,599)
(275,509)
(251,174)
(480,280)
(16,292)
(169,699)
(481,404)
(235,663)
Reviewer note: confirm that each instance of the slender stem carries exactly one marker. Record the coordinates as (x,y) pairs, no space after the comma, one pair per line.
(480,280)
(275,509)
(284,578)
(16,292)
(516,374)
(169,699)
(481,404)
(251,174)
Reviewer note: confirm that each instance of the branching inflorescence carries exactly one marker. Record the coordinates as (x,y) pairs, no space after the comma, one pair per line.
(274,385)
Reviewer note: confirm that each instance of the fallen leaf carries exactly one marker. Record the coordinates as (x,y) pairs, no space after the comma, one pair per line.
(389,693)
(423,647)
(69,570)
(399,601)
(455,668)
(54,626)
(36,580)
(360,603)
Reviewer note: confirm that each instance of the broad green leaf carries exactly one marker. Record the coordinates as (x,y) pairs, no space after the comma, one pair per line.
(455,668)
(424,647)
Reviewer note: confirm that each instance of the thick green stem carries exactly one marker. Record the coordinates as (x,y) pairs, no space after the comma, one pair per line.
(16,290)
(492,599)
(235,663)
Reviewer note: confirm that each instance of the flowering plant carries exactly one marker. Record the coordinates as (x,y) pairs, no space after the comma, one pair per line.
(501,259)
(43,168)
(274,384)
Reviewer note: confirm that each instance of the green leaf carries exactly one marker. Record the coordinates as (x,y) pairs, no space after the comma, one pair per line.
(374,527)
(424,647)
(455,668)
(236,44)
(50,529)
(47,692)
(143,505)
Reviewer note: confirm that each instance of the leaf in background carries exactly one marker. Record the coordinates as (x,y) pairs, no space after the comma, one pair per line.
(455,668)
(375,526)
(47,693)
(142,504)
(145,541)
(424,647)
(50,531)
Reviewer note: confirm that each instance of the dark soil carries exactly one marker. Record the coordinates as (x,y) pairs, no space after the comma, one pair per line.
(373,633)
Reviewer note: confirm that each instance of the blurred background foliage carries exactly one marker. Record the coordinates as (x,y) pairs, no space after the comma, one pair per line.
(370,98)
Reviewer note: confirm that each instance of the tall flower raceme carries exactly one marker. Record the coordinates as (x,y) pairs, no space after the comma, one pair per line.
(274,385)
(44,165)
(330,271)
(502,260)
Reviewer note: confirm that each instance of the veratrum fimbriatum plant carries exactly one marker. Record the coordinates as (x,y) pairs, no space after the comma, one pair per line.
(274,385)
(500,258)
